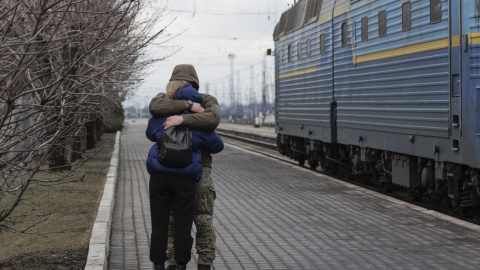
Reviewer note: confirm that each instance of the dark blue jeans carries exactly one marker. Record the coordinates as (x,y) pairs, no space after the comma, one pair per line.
(177,193)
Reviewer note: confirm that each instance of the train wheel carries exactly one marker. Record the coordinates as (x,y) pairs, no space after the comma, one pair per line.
(301,161)
(387,187)
(373,174)
(417,193)
(312,163)
(331,169)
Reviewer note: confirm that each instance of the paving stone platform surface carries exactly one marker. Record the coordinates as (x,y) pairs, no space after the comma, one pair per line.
(272,215)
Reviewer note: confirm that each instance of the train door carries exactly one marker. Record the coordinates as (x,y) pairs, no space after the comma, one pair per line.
(333,102)
(455,56)
(476,60)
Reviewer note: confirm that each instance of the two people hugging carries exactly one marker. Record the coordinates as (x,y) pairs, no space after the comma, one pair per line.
(181,195)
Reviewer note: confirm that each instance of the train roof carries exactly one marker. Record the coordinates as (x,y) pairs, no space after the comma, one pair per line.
(305,12)
(302,13)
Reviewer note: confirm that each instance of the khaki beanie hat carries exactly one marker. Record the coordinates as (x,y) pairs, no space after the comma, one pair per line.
(185,73)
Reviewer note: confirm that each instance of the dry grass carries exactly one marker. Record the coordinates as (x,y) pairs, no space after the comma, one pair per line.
(61,241)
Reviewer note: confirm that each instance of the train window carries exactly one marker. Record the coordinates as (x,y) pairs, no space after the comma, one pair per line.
(435,11)
(364,28)
(322,43)
(299,50)
(406,16)
(281,56)
(382,23)
(344,34)
(289,49)
(309,48)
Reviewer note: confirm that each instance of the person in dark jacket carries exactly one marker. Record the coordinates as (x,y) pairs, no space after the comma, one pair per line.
(175,188)
(206,117)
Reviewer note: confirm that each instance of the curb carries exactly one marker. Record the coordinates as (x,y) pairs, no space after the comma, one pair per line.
(99,247)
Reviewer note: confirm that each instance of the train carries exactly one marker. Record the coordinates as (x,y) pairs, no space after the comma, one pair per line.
(385,90)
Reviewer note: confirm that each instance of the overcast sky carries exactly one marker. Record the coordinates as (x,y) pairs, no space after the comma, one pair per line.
(211,30)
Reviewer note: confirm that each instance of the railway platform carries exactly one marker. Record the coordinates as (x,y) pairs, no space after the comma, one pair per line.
(274,215)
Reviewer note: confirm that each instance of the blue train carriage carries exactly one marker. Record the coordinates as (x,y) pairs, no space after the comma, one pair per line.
(304,85)
(388,89)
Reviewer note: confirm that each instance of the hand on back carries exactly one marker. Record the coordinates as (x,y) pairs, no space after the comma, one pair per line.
(177,120)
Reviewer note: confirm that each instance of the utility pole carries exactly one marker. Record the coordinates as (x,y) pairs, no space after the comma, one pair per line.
(239,99)
(224,97)
(264,85)
(232,89)
(252,104)
(215,92)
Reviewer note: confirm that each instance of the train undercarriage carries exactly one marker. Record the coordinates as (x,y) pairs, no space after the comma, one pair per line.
(454,185)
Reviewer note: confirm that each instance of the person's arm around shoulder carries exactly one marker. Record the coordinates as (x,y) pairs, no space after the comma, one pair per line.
(208,120)
(155,128)
(161,105)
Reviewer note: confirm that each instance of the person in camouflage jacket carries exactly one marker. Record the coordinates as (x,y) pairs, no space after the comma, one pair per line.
(206,117)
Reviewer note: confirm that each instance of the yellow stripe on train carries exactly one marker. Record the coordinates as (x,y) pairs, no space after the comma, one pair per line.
(297,72)
(473,38)
(424,47)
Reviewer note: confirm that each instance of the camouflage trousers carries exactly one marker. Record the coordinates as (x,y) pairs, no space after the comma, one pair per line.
(203,218)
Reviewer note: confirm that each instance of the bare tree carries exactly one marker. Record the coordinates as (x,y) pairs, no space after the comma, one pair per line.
(63,63)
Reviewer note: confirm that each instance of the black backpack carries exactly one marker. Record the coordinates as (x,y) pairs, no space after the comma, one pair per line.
(176,147)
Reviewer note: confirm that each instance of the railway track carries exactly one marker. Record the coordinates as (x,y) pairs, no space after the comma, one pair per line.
(267,147)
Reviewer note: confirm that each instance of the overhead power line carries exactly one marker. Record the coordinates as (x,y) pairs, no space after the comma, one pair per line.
(216,13)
